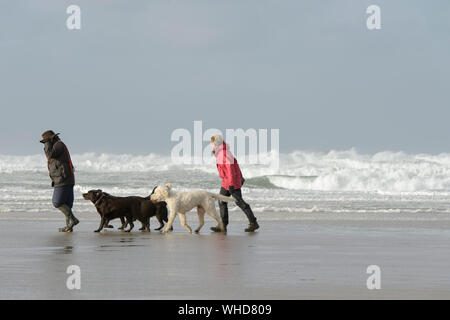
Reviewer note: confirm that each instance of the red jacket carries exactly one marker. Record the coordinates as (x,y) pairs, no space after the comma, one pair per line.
(228,167)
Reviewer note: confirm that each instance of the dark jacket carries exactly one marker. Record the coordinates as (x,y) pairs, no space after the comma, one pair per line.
(60,167)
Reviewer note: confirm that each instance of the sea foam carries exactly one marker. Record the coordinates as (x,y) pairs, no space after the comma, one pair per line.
(299,170)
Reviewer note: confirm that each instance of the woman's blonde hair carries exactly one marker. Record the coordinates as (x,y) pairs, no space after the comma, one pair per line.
(217,139)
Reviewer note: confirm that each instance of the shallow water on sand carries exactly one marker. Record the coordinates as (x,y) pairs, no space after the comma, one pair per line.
(305,183)
(28,195)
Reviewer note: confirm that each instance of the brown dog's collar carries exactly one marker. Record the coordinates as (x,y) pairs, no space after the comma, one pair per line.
(98,200)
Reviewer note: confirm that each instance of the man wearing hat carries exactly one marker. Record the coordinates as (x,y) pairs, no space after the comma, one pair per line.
(61,171)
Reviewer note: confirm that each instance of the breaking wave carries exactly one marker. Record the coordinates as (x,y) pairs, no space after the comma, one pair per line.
(349,170)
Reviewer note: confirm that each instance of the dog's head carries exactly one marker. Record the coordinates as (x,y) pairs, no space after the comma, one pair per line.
(160,193)
(93,195)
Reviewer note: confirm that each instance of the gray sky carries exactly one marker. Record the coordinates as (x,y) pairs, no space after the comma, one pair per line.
(139,69)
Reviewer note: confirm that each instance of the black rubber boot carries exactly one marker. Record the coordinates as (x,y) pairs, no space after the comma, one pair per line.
(217,229)
(251,217)
(252,226)
(223,214)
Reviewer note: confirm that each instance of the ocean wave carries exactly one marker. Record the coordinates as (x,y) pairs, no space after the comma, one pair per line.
(383,172)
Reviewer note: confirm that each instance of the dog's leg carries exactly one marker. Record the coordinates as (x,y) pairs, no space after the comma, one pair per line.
(183,222)
(102,223)
(170,222)
(213,213)
(130,222)
(107,225)
(124,224)
(164,215)
(201,218)
(145,224)
(161,223)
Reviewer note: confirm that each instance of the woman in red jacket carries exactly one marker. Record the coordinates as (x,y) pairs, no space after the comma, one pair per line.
(232,182)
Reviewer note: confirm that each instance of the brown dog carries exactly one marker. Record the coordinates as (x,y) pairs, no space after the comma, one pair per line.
(128,209)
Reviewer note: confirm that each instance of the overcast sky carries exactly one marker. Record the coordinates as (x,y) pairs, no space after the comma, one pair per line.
(139,69)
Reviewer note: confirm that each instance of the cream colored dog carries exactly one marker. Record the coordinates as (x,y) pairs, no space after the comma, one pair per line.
(182,202)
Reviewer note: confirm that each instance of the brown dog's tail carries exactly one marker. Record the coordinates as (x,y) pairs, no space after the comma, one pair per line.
(222,198)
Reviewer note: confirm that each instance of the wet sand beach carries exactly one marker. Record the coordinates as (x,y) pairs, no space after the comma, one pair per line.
(310,259)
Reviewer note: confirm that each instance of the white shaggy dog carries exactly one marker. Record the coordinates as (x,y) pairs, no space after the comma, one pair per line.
(182,202)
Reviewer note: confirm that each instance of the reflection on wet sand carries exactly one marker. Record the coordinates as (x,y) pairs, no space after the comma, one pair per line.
(283,261)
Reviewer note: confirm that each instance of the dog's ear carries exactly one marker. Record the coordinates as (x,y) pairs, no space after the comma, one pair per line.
(169,186)
(153,191)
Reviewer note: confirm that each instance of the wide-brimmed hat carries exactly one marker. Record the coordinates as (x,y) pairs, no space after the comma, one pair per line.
(48,134)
